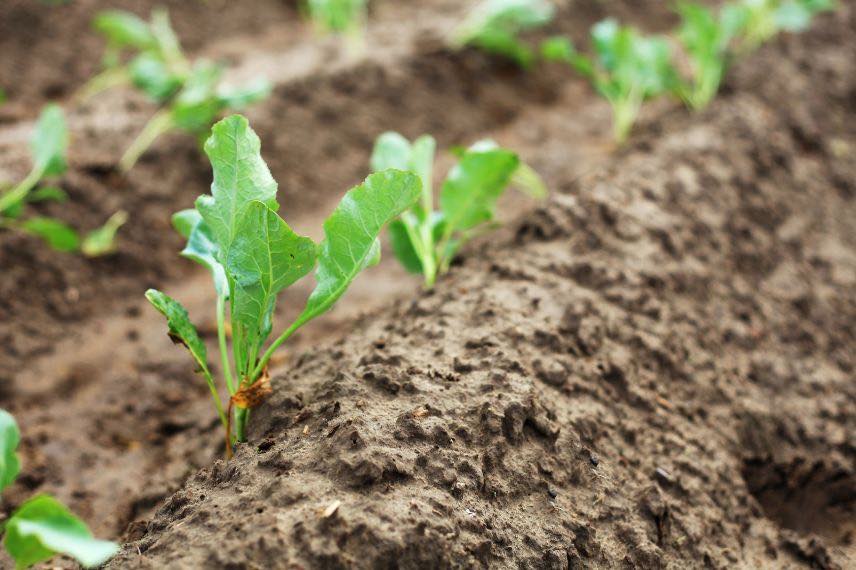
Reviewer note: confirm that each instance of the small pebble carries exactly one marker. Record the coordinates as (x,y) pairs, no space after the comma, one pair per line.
(594,459)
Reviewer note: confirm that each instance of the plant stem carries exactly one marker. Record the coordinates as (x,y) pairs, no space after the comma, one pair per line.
(216,395)
(221,337)
(272,348)
(157,125)
(242,415)
(105,80)
(20,191)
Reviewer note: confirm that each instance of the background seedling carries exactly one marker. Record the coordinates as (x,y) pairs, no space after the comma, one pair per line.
(706,40)
(156,64)
(49,147)
(253,255)
(495,26)
(43,527)
(203,97)
(627,69)
(760,20)
(337,16)
(425,241)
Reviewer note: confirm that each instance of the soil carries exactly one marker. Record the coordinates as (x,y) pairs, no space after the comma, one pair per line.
(654,369)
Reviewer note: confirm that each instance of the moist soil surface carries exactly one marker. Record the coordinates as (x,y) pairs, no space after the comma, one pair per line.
(655,368)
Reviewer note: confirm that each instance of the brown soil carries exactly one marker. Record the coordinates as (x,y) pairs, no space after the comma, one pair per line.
(654,369)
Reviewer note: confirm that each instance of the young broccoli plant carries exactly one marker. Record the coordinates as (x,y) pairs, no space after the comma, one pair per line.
(760,20)
(627,69)
(426,241)
(252,254)
(495,26)
(42,527)
(706,39)
(337,16)
(49,146)
(203,97)
(156,65)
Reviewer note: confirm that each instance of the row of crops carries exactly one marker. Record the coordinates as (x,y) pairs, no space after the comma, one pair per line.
(238,234)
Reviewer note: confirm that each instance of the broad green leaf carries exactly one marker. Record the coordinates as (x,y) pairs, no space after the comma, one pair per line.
(10,437)
(351,234)
(103,240)
(50,142)
(58,235)
(265,258)
(181,330)
(494,25)
(43,527)
(403,248)
(561,49)
(124,29)
(473,186)
(201,247)
(525,178)
(240,177)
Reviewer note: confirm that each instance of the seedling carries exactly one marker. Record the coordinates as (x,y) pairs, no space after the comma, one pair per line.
(191,96)
(337,16)
(706,39)
(49,146)
(760,20)
(203,97)
(627,69)
(43,527)
(156,65)
(253,255)
(426,241)
(496,25)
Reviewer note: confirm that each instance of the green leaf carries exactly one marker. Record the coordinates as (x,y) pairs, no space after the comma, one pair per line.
(265,258)
(152,76)
(10,437)
(185,220)
(181,330)
(47,194)
(43,527)
(103,240)
(58,235)
(494,25)
(351,235)
(50,142)
(391,150)
(403,248)
(240,177)
(202,249)
(470,192)
(241,98)
(124,29)
(337,15)
(196,105)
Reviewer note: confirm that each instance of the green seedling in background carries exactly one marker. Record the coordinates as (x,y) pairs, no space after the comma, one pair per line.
(253,255)
(49,147)
(706,39)
(338,16)
(426,241)
(191,96)
(626,70)
(762,19)
(496,25)
(154,64)
(43,527)
(202,99)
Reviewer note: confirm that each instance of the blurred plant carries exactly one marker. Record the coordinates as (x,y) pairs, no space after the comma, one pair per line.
(627,69)
(192,95)
(49,146)
(495,26)
(760,20)
(426,241)
(337,16)
(43,527)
